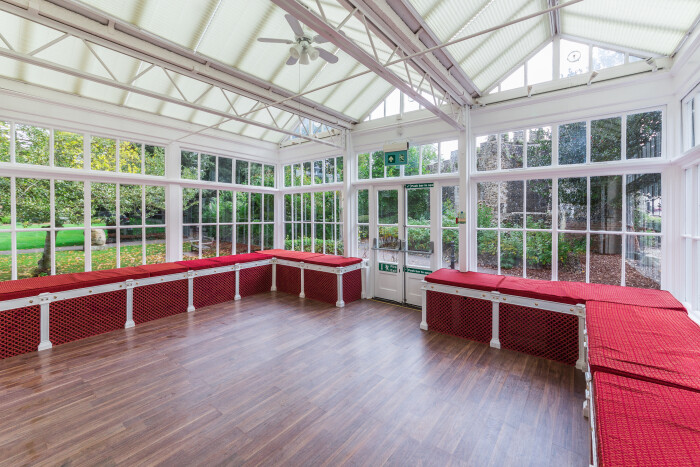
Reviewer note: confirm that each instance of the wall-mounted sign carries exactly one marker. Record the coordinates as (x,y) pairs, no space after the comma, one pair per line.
(386,267)
(461,218)
(396,154)
(423,272)
(418,185)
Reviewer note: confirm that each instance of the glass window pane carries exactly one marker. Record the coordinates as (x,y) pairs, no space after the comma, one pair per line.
(606,259)
(606,203)
(329,203)
(296,169)
(130,247)
(539,147)
(5,257)
(339,169)
(67,150)
(339,244)
(105,256)
(329,170)
(256,237)
(269,214)
(450,248)
(388,206)
(207,167)
(573,58)
(225,170)
(130,199)
(512,145)
(188,162)
(5,203)
(643,262)
(242,207)
(514,80)
(429,159)
(297,207)
(103,154)
(288,242)
(393,171)
(450,205)
(318,206)
(388,238)
(242,172)
(511,201)
(225,207)
(256,207)
(644,203)
(4,145)
(539,255)
(539,204)
(155,160)
(268,236)
(487,251)
(32,145)
(209,241)
(571,257)
(573,203)
(409,105)
(393,103)
(644,135)
(418,206)
(104,204)
(486,153)
(287,175)
(606,140)
(413,164)
(338,207)
(604,58)
(363,166)
(449,154)
(209,206)
(130,160)
(540,67)
(363,247)
(256,174)
(190,242)
(307,173)
(270,175)
(363,206)
(225,240)
(487,204)
(418,239)
(308,240)
(70,254)
(378,164)
(70,202)
(318,172)
(155,245)
(572,143)
(512,253)
(190,205)
(287,207)
(242,239)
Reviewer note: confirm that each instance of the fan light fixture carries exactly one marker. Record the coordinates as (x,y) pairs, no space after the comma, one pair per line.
(295,51)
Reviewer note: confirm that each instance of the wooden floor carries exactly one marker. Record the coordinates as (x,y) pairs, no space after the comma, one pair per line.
(278,380)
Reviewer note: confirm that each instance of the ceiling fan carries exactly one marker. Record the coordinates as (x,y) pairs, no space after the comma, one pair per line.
(302,50)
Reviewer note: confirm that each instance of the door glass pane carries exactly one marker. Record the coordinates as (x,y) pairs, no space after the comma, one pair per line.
(644,203)
(539,204)
(487,251)
(643,261)
(512,145)
(418,239)
(573,203)
(225,170)
(67,150)
(418,206)
(539,255)
(32,145)
(539,147)
(388,238)
(644,135)
(572,143)
(606,259)
(388,206)
(130,159)
(103,154)
(606,140)
(572,257)
(606,203)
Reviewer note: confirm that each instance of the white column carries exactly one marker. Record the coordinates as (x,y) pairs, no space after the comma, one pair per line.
(340,303)
(238,284)
(495,342)
(129,304)
(274,275)
(301,274)
(45,336)
(173,200)
(349,196)
(190,291)
(466,156)
(424,313)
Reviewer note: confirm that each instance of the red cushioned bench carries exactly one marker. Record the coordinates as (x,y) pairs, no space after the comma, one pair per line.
(333,279)
(164,294)
(287,273)
(642,423)
(652,344)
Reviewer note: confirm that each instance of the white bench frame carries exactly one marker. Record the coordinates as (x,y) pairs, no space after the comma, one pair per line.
(44,300)
(496,298)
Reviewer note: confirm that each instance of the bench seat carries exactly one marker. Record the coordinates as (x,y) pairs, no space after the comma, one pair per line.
(470,280)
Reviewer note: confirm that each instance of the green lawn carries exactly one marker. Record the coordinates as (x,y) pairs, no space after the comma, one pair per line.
(74,261)
(31,240)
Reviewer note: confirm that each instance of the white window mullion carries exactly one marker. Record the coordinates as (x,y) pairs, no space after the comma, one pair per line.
(52,224)
(13,221)
(118,221)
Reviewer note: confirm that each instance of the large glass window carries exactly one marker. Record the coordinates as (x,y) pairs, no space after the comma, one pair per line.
(313,222)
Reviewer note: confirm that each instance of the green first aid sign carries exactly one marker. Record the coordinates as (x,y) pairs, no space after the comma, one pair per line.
(396,158)
(386,267)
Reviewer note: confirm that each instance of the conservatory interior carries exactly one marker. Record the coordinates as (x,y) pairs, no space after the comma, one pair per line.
(366,232)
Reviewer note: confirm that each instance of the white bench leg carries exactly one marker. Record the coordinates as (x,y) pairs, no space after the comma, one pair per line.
(274,278)
(495,342)
(301,274)
(129,306)
(340,303)
(190,293)
(238,285)
(424,312)
(581,363)
(45,341)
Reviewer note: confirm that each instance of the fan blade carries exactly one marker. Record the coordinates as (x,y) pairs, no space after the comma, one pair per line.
(294,24)
(327,56)
(320,40)
(275,41)
(292,61)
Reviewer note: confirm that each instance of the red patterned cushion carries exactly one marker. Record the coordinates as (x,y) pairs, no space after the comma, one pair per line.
(652,344)
(197,264)
(471,280)
(110,276)
(542,290)
(626,295)
(291,255)
(642,423)
(163,269)
(333,261)
(238,259)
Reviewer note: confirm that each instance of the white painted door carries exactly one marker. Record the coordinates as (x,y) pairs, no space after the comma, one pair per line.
(388,258)
(419,244)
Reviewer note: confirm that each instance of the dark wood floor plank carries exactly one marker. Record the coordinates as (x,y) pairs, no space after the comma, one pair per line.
(277,380)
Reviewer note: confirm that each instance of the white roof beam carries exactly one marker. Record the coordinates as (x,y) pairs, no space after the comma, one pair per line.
(326,30)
